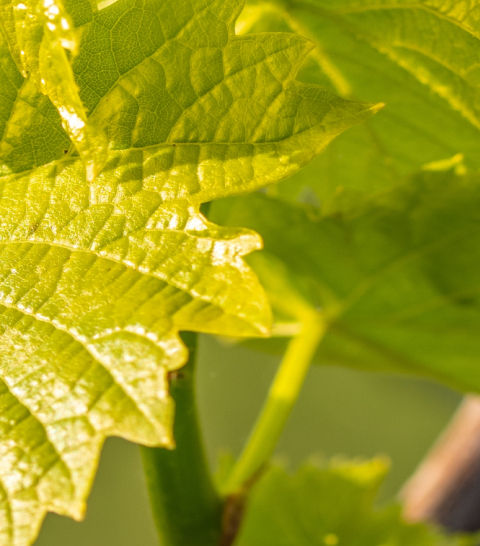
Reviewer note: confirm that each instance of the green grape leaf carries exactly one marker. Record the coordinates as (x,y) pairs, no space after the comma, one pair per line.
(100,268)
(43,41)
(331,505)
(420,58)
(396,282)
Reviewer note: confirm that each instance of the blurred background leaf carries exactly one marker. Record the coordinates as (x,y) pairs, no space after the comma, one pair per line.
(332,503)
(420,59)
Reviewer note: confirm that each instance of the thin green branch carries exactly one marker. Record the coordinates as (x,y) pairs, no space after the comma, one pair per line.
(282,397)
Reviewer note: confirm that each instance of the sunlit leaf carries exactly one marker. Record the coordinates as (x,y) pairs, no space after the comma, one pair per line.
(43,41)
(100,269)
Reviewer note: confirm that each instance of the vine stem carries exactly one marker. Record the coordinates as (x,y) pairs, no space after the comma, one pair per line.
(282,396)
(186,506)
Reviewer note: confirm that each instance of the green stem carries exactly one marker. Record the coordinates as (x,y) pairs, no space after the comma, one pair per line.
(283,394)
(186,507)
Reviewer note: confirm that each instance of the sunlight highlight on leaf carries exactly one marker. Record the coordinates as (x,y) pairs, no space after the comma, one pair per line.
(100,271)
(46,41)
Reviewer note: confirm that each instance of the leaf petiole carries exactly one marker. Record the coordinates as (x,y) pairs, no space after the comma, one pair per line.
(282,397)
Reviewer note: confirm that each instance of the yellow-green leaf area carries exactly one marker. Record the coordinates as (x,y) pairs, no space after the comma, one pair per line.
(117,122)
(43,41)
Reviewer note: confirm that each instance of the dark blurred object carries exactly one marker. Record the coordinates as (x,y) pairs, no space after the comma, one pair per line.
(445,489)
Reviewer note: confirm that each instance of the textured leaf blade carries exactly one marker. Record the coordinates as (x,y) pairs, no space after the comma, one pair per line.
(99,274)
(120,217)
(96,281)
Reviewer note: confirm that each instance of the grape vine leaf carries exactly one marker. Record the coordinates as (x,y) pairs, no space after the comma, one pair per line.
(101,267)
(420,58)
(396,282)
(42,39)
(331,505)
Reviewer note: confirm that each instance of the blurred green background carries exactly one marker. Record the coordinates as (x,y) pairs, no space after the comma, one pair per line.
(340,411)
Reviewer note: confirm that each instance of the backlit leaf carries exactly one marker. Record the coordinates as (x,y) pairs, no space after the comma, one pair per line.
(43,41)
(100,269)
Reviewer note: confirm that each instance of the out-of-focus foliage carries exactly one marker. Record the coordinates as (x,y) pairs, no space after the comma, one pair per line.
(331,505)
(419,58)
(396,282)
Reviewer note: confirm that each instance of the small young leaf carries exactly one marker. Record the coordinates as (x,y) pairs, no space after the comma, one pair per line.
(331,505)
(45,41)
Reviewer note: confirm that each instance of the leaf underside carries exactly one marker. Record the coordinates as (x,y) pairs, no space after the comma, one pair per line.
(116,124)
(396,282)
(391,262)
